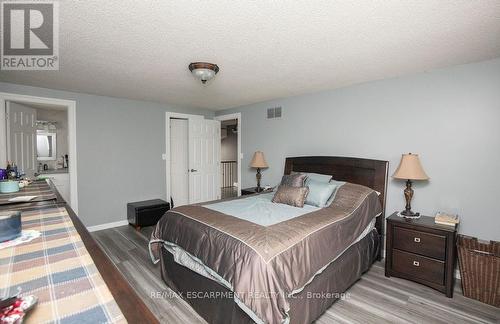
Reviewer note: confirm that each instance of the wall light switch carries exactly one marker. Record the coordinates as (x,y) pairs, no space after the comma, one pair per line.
(164,156)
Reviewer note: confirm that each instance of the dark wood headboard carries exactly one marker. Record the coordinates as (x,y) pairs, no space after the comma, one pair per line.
(366,172)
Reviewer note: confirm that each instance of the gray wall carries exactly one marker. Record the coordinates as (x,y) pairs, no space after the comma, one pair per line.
(451,117)
(119,145)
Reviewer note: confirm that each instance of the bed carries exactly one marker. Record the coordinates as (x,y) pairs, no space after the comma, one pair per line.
(232,270)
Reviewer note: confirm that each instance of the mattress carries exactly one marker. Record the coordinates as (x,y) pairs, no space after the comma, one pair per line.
(260,209)
(218,307)
(266,265)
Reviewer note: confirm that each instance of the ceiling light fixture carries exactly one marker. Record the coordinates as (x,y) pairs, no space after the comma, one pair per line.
(203,71)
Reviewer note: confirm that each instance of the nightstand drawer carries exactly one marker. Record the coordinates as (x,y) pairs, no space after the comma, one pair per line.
(418,266)
(427,244)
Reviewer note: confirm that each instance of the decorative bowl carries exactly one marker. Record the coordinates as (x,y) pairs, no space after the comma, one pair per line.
(8,186)
(10,225)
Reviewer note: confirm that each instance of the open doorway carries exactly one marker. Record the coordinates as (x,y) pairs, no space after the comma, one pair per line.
(230,155)
(37,142)
(38,135)
(192,158)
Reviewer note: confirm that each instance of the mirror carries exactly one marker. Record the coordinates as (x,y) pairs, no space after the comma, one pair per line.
(46,146)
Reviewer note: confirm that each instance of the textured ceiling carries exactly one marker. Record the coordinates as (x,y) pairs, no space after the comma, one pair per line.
(265,49)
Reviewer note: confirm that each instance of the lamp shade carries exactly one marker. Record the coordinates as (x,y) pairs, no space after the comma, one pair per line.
(258,160)
(410,168)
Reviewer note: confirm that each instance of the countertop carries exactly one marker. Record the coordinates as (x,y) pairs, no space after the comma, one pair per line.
(54,171)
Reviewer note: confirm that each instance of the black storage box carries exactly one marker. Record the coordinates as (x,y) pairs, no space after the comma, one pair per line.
(146,213)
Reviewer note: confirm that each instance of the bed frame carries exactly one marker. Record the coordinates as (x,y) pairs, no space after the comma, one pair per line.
(370,173)
(366,172)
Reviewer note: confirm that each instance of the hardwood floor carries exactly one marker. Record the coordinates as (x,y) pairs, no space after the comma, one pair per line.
(229,192)
(373,299)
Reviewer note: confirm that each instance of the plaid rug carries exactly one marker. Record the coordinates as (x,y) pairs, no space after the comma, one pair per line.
(39,188)
(57,268)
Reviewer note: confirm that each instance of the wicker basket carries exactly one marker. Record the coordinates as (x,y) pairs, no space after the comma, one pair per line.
(480,269)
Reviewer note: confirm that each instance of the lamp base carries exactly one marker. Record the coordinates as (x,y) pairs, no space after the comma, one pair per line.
(409,214)
(258,176)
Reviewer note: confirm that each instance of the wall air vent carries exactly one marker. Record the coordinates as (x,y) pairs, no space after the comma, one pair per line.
(270,113)
(274,112)
(277,112)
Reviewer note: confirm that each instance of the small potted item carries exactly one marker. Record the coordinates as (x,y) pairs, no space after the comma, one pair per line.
(10,225)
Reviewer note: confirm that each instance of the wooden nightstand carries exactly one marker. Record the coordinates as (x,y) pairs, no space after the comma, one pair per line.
(249,191)
(421,251)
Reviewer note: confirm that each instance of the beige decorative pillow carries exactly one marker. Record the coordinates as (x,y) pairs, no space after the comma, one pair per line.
(293,180)
(293,196)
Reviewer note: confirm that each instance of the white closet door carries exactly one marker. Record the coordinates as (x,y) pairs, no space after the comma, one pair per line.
(179,161)
(204,160)
(21,137)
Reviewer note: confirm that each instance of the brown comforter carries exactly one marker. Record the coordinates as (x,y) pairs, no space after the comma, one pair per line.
(266,265)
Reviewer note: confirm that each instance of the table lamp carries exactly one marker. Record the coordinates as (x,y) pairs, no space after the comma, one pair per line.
(409,169)
(258,162)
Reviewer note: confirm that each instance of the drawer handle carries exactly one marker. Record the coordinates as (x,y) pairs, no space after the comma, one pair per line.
(417,239)
(416,263)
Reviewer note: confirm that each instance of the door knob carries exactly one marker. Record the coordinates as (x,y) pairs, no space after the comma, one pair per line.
(194,170)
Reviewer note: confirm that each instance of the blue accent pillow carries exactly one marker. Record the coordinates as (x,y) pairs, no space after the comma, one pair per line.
(319,192)
(338,184)
(315,176)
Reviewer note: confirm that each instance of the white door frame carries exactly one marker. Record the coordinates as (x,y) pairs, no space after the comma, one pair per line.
(71,106)
(239,155)
(169,115)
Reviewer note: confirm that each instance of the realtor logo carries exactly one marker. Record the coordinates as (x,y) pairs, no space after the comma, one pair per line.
(30,35)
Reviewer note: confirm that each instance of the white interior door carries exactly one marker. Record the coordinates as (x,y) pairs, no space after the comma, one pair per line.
(204,160)
(21,137)
(179,153)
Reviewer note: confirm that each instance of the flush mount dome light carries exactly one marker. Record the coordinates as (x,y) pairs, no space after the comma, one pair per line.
(203,71)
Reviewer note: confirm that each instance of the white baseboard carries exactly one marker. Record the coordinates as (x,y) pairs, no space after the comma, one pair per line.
(107,225)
